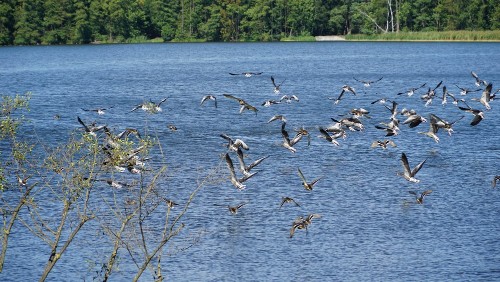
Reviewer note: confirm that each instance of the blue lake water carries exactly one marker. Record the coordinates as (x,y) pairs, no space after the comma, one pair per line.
(370,228)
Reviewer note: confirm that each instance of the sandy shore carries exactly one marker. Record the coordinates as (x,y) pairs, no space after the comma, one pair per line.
(330,38)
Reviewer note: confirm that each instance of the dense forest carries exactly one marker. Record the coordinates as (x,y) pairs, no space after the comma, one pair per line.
(28,22)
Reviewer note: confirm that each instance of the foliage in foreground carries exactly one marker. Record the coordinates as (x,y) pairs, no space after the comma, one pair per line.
(98,176)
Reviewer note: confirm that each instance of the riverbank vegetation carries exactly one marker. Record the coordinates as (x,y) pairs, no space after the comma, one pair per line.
(32,22)
(455,35)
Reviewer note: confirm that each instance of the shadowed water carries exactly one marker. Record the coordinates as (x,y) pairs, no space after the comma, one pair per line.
(370,228)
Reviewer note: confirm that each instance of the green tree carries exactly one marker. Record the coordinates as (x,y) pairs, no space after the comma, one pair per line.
(29,22)
(6,22)
(57,21)
(82,28)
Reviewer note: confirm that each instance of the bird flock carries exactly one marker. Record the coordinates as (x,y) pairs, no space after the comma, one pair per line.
(333,131)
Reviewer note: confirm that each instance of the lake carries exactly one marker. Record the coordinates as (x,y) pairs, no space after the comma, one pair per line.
(370,227)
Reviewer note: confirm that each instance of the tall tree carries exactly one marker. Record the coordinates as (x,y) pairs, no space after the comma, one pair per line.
(29,19)
(56,21)
(6,22)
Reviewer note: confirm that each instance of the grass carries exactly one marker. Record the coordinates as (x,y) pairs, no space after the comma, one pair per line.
(458,35)
(299,38)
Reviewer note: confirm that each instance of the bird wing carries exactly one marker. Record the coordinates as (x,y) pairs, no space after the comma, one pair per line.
(302,176)
(83,124)
(256,163)
(233,97)
(241,160)
(325,134)
(417,168)
(406,165)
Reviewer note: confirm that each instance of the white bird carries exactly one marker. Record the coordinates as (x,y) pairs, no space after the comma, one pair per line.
(409,174)
(209,97)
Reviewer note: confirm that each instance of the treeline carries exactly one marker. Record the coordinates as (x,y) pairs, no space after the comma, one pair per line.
(28,22)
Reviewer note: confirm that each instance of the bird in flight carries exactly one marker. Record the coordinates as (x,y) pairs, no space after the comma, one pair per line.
(408,173)
(247,73)
(420,199)
(367,83)
(307,185)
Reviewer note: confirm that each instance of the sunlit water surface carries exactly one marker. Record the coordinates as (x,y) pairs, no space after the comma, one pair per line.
(370,228)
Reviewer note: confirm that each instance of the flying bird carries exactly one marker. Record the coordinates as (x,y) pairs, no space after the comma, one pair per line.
(246,74)
(409,174)
(235,144)
(478,114)
(367,83)
(208,97)
(307,185)
(238,183)
(287,143)
(478,80)
(243,104)
(91,129)
(99,111)
(420,199)
(234,209)
(496,178)
(383,144)
(150,106)
(245,169)
(276,89)
(285,200)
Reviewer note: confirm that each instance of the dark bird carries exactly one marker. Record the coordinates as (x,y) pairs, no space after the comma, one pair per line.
(276,89)
(246,74)
(412,90)
(150,106)
(328,137)
(382,101)
(496,178)
(409,174)
(92,128)
(234,209)
(243,104)
(478,114)
(414,120)
(430,94)
(420,199)
(208,97)
(285,200)
(307,185)
(478,80)
(441,123)
(367,83)
(465,91)
(269,103)
(99,111)
(383,144)
(302,223)
(117,184)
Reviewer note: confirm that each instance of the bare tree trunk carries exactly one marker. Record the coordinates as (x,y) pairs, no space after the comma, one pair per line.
(397,15)
(391,12)
(371,19)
